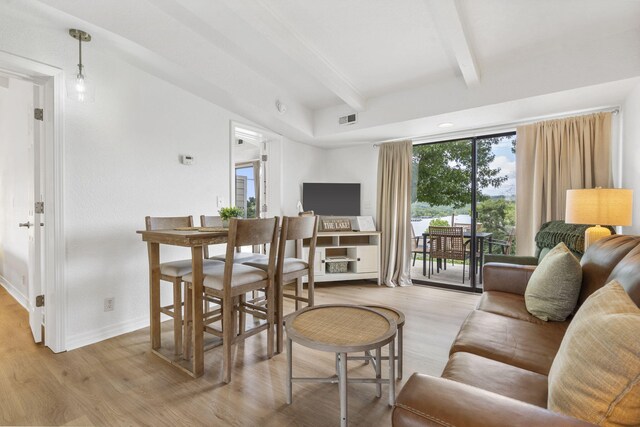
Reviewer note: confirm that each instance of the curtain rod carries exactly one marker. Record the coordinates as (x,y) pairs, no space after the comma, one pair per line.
(498,128)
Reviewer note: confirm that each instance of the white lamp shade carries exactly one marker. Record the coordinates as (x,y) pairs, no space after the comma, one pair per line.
(601,206)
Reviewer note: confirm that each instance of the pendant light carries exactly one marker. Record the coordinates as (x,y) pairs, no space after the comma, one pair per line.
(79,88)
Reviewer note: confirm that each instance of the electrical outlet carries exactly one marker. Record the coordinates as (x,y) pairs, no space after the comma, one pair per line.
(220,201)
(109,304)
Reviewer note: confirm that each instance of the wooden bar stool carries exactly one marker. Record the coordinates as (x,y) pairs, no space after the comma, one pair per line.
(229,281)
(173,272)
(290,270)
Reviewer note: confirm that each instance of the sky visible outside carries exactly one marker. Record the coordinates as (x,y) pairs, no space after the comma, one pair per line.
(251,187)
(505,161)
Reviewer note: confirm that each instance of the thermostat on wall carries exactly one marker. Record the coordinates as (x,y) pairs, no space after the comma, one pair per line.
(186,159)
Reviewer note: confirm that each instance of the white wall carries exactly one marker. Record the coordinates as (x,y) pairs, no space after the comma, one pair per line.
(302,163)
(16,117)
(356,164)
(122,163)
(631,154)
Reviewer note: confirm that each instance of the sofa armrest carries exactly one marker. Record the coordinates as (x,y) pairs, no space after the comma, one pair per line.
(510,278)
(511,259)
(431,401)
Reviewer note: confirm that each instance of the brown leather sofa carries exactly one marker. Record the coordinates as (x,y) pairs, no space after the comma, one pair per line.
(498,365)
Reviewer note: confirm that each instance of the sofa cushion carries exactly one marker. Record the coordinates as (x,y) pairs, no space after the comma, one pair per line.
(554,286)
(497,377)
(600,260)
(506,304)
(511,341)
(596,373)
(627,274)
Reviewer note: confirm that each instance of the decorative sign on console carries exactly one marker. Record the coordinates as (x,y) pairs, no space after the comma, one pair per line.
(365,223)
(336,224)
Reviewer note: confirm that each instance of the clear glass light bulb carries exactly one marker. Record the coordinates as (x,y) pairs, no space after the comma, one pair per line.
(80,86)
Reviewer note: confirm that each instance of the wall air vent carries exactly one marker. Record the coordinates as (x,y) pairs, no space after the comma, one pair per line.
(348,119)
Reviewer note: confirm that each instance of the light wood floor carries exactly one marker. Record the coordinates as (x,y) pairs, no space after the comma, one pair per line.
(118,381)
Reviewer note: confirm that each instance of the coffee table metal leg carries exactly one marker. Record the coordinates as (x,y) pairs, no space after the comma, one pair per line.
(289,370)
(378,371)
(342,382)
(392,372)
(400,354)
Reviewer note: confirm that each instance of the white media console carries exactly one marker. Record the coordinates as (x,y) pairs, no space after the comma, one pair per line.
(360,250)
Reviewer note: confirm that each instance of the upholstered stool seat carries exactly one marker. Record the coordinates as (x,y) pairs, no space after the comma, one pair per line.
(183,267)
(242,274)
(244,258)
(290,265)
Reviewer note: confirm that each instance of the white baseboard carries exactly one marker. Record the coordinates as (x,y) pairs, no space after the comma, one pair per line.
(14,292)
(92,337)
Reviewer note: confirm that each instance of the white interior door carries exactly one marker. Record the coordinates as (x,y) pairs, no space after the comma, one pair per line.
(33,223)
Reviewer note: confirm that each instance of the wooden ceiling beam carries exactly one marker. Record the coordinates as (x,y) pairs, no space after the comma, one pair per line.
(260,15)
(446,15)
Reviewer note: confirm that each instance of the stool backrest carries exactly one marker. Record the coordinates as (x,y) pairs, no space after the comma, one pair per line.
(167,222)
(249,232)
(209,221)
(297,229)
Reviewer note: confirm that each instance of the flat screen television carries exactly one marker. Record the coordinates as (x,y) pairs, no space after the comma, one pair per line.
(331,199)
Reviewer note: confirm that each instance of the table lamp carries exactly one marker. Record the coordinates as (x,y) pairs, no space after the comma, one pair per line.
(606,206)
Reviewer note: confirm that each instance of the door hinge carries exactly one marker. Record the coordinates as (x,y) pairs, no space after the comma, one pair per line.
(38,114)
(264,157)
(39,207)
(40,301)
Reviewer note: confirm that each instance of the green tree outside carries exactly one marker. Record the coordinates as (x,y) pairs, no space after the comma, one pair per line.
(251,207)
(442,184)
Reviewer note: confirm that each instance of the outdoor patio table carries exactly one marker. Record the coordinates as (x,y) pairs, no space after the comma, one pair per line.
(481,236)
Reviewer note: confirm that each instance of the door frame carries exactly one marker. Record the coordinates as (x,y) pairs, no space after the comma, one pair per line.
(52,169)
(273,170)
(473,282)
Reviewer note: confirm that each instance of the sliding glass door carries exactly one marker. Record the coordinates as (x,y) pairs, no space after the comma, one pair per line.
(463,206)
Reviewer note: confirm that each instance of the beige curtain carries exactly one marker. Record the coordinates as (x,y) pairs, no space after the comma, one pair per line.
(394,212)
(551,158)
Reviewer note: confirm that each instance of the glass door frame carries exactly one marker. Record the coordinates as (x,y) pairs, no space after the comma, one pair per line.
(473,281)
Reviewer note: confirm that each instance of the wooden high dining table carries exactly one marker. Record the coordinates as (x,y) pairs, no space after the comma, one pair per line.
(196,240)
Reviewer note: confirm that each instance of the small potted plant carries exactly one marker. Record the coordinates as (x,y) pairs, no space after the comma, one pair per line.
(230,212)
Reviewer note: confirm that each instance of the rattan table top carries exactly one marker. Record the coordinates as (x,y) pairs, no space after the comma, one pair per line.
(396,315)
(341,328)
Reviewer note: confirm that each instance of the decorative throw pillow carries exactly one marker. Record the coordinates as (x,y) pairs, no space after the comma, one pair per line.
(554,286)
(596,374)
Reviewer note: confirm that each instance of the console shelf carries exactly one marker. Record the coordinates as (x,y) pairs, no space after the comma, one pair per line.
(359,249)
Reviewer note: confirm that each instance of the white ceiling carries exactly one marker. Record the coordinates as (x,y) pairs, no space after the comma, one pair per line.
(403,65)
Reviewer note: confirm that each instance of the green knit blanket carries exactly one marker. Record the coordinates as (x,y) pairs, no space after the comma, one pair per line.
(553,232)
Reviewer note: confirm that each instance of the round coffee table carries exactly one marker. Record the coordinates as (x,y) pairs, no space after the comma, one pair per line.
(342,329)
(398,316)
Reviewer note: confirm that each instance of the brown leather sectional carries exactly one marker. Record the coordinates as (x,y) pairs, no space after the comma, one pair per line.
(498,365)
